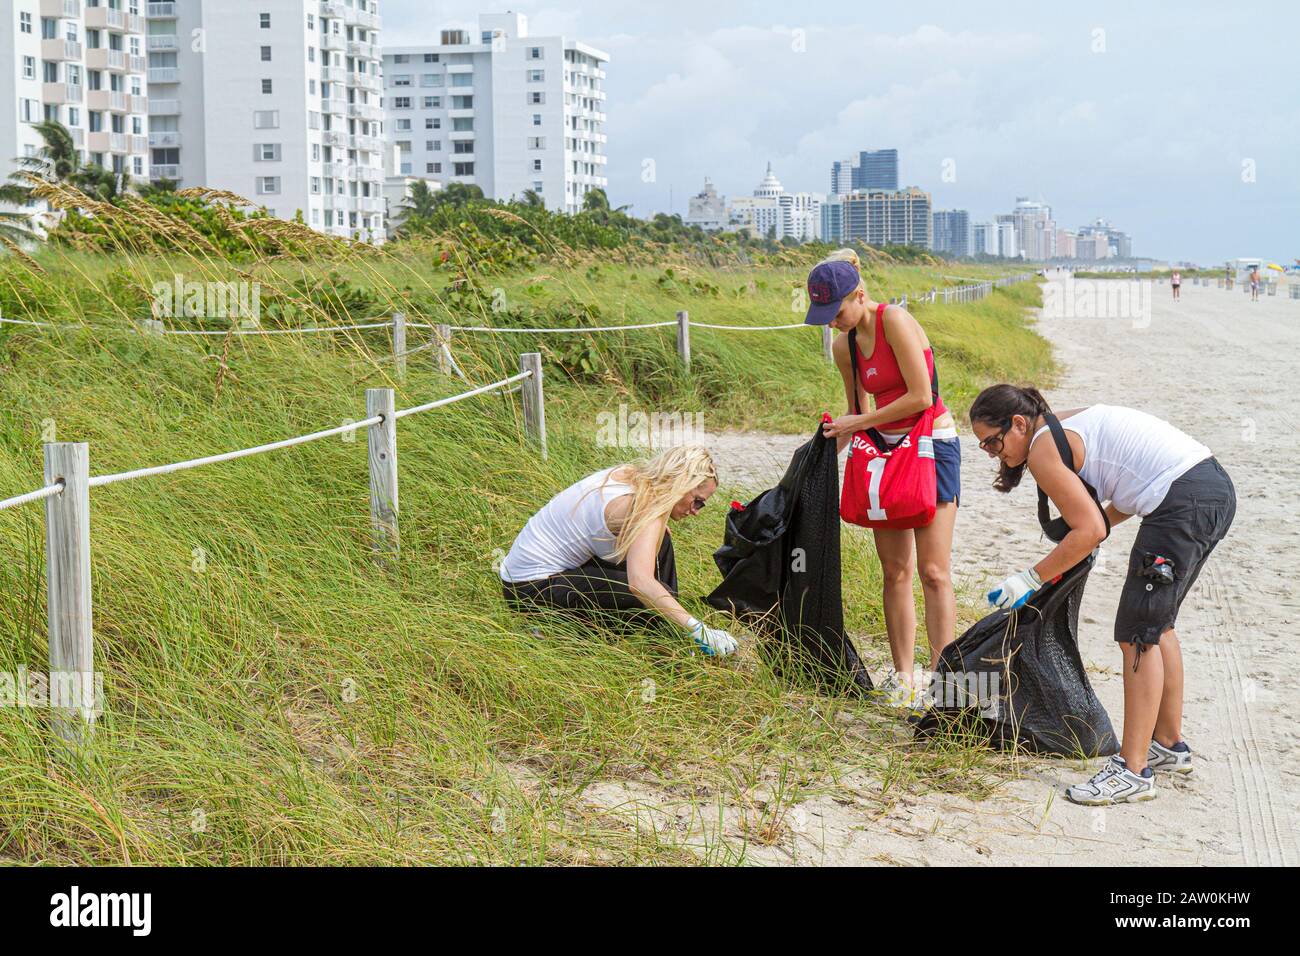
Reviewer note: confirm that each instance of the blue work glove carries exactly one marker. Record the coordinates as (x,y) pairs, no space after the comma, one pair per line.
(1015,590)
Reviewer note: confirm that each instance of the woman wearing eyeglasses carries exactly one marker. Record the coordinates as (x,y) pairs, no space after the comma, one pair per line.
(602,544)
(1138,465)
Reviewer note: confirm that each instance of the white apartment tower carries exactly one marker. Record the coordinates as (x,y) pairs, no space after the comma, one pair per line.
(276,100)
(82,65)
(505,111)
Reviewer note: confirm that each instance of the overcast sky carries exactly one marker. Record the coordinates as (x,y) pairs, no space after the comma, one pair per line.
(1181,125)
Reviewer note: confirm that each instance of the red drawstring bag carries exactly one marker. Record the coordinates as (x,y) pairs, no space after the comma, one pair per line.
(890,487)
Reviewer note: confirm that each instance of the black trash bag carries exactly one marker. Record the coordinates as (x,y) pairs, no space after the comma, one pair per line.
(780,563)
(1015,679)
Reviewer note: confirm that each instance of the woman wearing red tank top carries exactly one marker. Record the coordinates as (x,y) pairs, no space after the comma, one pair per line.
(895,368)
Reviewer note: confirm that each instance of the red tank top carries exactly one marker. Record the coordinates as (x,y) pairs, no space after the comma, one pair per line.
(883,379)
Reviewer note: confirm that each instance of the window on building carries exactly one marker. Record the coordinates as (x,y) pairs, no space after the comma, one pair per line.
(431,58)
(432,102)
(536,98)
(268,185)
(462,79)
(534,53)
(462,169)
(402,79)
(536,142)
(536,76)
(266,85)
(400,58)
(25,22)
(463,146)
(432,145)
(267,152)
(401,102)
(29,67)
(432,122)
(266,119)
(264,21)
(463,124)
(537,119)
(537,165)
(266,54)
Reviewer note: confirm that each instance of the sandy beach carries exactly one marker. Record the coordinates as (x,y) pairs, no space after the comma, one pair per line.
(1212,364)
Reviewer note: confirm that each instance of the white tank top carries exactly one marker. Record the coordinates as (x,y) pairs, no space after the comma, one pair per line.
(568,531)
(1130,457)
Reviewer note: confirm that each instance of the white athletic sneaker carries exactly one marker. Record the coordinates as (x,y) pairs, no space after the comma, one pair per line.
(1114,783)
(1176,759)
(896,692)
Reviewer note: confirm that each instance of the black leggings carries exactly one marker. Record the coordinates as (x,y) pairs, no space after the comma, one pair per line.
(595,586)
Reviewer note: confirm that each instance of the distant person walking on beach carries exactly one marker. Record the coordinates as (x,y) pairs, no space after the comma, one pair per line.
(1254,284)
(1175,281)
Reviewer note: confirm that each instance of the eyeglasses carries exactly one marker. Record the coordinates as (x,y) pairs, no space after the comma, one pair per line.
(987,444)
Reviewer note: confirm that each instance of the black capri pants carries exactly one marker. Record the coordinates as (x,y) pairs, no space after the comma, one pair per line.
(598,585)
(1193,518)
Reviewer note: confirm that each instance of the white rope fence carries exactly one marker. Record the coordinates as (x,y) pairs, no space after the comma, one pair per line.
(66,494)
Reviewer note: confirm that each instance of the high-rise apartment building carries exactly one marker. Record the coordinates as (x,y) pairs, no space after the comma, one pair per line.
(872,169)
(951,234)
(82,65)
(707,209)
(887,217)
(276,100)
(506,111)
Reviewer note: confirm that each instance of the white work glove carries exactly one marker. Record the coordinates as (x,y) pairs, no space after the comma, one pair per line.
(1015,590)
(712,641)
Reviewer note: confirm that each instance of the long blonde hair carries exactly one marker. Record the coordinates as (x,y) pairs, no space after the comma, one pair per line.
(657,485)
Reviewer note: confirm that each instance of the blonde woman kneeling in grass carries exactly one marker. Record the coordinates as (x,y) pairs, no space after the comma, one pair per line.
(602,544)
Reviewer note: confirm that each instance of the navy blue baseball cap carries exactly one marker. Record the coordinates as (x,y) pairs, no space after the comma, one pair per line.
(829,284)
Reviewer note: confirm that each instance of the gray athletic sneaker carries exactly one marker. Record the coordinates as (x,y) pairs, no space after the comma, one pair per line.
(1114,783)
(1175,759)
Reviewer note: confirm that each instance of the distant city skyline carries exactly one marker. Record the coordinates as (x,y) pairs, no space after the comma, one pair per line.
(1180,127)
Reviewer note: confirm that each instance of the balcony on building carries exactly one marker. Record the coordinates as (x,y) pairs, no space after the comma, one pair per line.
(60,50)
(102,58)
(166,171)
(158,42)
(164,138)
(160,107)
(110,18)
(58,94)
(105,141)
(161,11)
(164,74)
(61,9)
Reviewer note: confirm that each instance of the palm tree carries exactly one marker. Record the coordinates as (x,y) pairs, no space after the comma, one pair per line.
(56,161)
(100,183)
(532,199)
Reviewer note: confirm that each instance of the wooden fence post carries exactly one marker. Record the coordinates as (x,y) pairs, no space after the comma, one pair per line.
(443,332)
(382,449)
(534,398)
(67,568)
(684,339)
(828,339)
(399,342)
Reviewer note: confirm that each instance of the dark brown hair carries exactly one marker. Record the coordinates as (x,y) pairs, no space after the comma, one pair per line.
(995,406)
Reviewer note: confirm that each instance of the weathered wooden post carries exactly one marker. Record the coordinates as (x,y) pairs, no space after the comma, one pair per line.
(828,339)
(67,569)
(684,339)
(443,332)
(399,342)
(382,449)
(534,398)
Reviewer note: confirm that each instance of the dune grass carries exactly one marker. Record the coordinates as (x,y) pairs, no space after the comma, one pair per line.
(275,697)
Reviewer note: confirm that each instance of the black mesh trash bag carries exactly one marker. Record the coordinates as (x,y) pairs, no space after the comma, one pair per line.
(1015,679)
(780,563)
